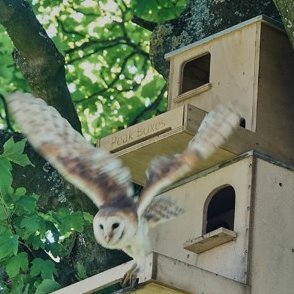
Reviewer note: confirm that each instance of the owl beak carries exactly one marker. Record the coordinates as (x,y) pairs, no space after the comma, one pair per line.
(108,238)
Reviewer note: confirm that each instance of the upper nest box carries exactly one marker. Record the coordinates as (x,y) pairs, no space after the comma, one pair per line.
(250,64)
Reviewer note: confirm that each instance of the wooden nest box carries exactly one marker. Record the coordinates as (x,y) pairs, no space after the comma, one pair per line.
(250,65)
(236,235)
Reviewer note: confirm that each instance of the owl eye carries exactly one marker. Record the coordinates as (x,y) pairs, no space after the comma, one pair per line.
(101,226)
(115,225)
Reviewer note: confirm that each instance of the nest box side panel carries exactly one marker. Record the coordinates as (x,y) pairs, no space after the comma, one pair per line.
(195,280)
(275,108)
(272,258)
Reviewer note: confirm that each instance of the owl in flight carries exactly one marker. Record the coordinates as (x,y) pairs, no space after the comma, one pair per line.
(122,221)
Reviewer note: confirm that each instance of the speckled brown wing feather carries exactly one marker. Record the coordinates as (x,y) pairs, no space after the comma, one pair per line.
(215,129)
(92,170)
(161,210)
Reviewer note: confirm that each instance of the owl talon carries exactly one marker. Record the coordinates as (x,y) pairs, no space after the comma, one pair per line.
(130,277)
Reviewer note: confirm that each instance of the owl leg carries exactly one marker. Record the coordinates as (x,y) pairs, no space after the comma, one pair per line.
(138,251)
(130,277)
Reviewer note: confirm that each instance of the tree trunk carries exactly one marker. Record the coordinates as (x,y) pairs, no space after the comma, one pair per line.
(286,9)
(37,57)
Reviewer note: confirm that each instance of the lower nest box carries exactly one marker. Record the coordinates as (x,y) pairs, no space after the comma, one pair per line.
(162,275)
(165,134)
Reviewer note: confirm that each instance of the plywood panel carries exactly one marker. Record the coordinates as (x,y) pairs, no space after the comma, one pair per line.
(195,280)
(152,288)
(276,94)
(272,241)
(143,131)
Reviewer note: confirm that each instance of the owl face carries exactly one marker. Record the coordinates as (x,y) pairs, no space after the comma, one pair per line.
(114,231)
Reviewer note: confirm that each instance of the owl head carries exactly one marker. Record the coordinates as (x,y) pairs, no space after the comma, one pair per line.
(114,228)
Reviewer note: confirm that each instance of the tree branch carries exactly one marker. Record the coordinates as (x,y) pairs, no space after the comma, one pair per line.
(37,57)
(66,31)
(151,107)
(95,42)
(145,24)
(111,84)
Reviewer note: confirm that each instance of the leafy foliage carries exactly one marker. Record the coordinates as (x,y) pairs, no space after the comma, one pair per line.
(10,77)
(108,70)
(159,10)
(31,242)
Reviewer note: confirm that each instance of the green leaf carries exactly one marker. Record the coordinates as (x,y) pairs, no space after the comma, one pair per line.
(3,213)
(28,203)
(14,152)
(32,223)
(16,263)
(8,245)
(4,231)
(88,217)
(5,71)
(69,221)
(5,175)
(149,89)
(20,191)
(47,286)
(34,241)
(158,11)
(45,268)
(17,285)
(81,270)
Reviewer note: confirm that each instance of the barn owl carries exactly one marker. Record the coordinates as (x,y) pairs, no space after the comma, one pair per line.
(122,221)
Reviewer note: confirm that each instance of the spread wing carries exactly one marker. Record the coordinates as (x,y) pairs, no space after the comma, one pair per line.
(92,170)
(214,130)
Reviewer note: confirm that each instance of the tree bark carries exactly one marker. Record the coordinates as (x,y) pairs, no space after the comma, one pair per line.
(200,19)
(286,9)
(37,57)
